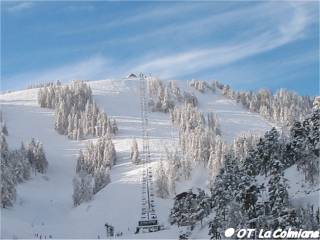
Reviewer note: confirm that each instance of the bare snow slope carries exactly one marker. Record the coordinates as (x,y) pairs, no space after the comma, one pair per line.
(44,203)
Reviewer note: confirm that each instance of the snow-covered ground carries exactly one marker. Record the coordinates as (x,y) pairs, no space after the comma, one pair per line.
(234,119)
(301,193)
(44,203)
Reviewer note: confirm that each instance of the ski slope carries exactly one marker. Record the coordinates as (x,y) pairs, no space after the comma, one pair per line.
(44,203)
(234,119)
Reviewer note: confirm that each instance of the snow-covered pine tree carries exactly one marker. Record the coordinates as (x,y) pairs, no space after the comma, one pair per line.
(41,163)
(259,159)
(216,157)
(114,127)
(60,118)
(80,163)
(234,195)
(82,188)
(4,129)
(162,181)
(269,155)
(308,217)
(96,162)
(215,228)
(203,208)
(283,107)
(223,192)
(174,168)
(4,148)
(305,144)
(316,103)
(19,166)
(36,156)
(242,145)
(190,208)
(101,179)
(199,85)
(25,162)
(213,123)
(271,150)
(248,208)
(163,97)
(15,168)
(134,155)
(76,114)
(278,196)
(8,188)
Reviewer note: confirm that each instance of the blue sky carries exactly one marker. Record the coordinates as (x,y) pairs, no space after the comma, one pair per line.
(249,45)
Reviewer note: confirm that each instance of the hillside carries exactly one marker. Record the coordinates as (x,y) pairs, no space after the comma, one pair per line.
(44,204)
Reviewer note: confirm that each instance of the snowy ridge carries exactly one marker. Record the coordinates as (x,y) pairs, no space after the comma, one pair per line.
(44,203)
(23,97)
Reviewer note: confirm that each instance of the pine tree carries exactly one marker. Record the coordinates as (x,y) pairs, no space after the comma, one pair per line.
(41,163)
(76,114)
(80,162)
(82,188)
(305,143)
(271,149)
(233,196)
(278,197)
(203,208)
(114,127)
(4,129)
(36,156)
(8,188)
(162,181)
(25,162)
(101,179)
(4,149)
(190,208)
(134,155)
(95,162)
(30,152)
(16,166)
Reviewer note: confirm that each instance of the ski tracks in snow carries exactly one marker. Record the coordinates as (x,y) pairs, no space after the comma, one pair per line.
(45,204)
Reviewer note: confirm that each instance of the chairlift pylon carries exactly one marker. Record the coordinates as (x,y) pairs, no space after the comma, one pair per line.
(149,220)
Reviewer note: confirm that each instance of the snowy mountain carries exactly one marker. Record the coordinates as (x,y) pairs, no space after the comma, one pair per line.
(44,203)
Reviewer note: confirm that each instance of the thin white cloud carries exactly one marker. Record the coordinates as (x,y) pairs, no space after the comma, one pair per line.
(15,7)
(94,67)
(261,18)
(188,62)
(79,7)
(202,25)
(288,28)
(135,17)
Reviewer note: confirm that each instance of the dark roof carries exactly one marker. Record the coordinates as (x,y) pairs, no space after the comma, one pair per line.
(184,195)
(132,75)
